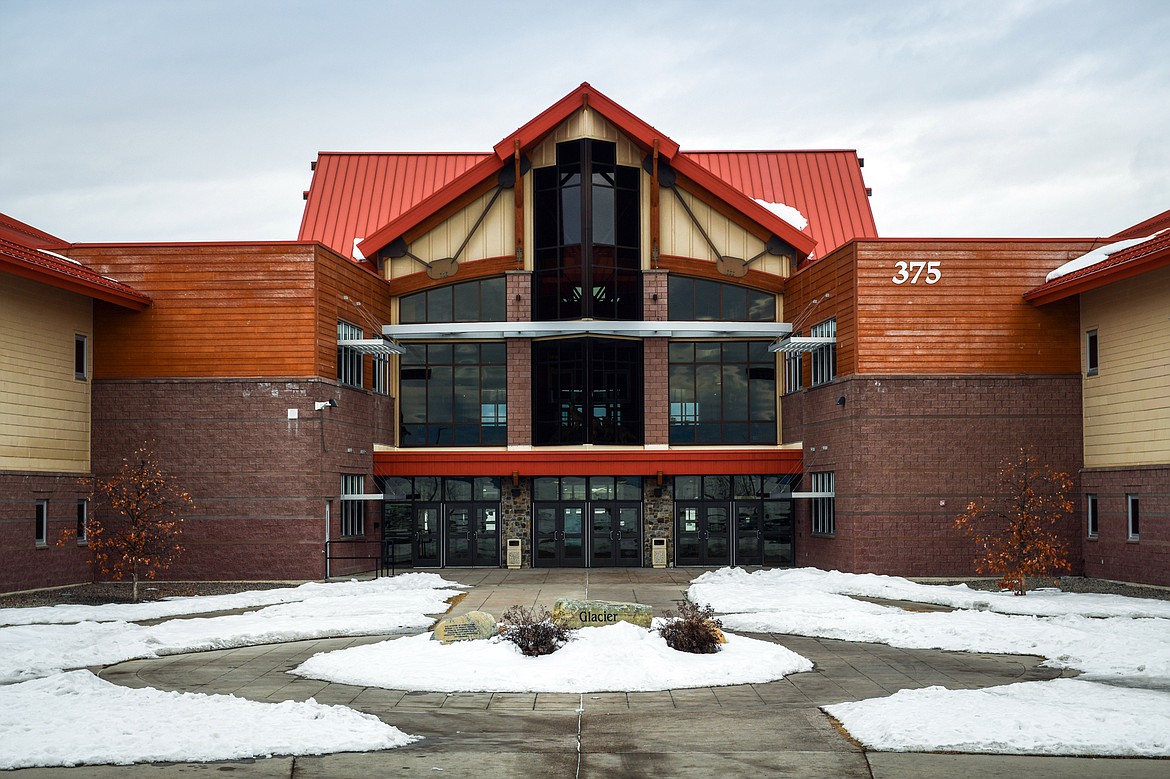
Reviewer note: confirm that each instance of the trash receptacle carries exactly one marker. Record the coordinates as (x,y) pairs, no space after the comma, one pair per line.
(514,551)
(658,552)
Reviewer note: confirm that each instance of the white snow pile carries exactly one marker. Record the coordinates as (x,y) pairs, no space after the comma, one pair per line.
(76,718)
(202,604)
(621,656)
(1097,255)
(375,607)
(1030,718)
(1122,647)
(786,212)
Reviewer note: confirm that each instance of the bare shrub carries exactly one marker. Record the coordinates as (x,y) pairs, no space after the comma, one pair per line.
(533,630)
(694,630)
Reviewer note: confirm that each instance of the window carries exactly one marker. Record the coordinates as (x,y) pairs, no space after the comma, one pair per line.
(587,391)
(380,381)
(81,357)
(82,520)
(1133,502)
(824,358)
(42,523)
(703,300)
(793,374)
(722,392)
(823,519)
(353,512)
(349,360)
(454,395)
(1091,514)
(481,300)
(1091,353)
(587,235)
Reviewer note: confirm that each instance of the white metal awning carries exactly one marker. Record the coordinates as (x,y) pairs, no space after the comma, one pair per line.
(380,346)
(477,331)
(799,344)
(814,494)
(362,496)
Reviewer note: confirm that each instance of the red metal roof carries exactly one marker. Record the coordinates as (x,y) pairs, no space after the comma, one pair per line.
(378,197)
(24,251)
(354,194)
(1131,261)
(825,186)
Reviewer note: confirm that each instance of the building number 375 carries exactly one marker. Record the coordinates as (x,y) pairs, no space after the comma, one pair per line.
(912,271)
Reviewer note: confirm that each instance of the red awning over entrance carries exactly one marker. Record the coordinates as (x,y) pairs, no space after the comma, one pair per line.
(586,462)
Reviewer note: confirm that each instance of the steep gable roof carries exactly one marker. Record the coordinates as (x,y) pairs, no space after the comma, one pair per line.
(25,251)
(374,198)
(1129,253)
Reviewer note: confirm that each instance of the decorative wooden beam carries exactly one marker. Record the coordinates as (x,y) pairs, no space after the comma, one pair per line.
(655,227)
(518,195)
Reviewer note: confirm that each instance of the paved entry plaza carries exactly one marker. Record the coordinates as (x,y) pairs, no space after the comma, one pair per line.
(773,729)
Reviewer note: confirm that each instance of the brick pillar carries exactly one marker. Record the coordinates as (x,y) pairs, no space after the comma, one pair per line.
(654,295)
(656,391)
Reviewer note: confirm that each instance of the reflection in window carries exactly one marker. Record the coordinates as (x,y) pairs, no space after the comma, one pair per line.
(722,392)
(587,235)
(704,300)
(454,395)
(587,391)
(481,300)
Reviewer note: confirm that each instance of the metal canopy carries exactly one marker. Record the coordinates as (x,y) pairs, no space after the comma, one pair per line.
(379,346)
(799,344)
(476,331)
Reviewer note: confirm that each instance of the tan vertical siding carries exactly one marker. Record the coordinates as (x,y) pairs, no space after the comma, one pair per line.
(493,238)
(681,238)
(1127,404)
(45,416)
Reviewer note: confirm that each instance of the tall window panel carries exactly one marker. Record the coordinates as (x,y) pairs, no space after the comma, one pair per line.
(793,374)
(1133,505)
(454,395)
(353,512)
(587,235)
(824,358)
(722,393)
(349,360)
(824,520)
(1091,517)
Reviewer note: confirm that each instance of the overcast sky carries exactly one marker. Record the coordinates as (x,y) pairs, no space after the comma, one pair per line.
(153,120)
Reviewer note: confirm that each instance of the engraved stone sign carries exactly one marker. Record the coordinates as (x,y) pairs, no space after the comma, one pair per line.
(468,627)
(595,613)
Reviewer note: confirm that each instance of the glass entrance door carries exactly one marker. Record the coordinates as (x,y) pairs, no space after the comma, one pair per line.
(615,535)
(702,533)
(473,536)
(749,536)
(426,535)
(559,536)
(398,548)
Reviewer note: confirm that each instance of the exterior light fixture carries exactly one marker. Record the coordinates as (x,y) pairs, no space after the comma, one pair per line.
(320,404)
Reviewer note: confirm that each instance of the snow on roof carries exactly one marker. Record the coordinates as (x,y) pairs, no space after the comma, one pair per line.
(786,212)
(1097,255)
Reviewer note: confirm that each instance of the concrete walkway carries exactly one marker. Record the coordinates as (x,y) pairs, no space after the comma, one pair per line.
(773,729)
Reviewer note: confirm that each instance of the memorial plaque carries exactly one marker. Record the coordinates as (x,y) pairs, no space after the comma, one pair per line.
(472,626)
(595,613)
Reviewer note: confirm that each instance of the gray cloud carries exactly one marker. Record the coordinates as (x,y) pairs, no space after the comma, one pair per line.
(158,120)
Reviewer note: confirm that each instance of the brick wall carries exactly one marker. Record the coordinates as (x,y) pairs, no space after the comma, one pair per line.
(1113,555)
(909,453)
(27,566)
(260,479)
